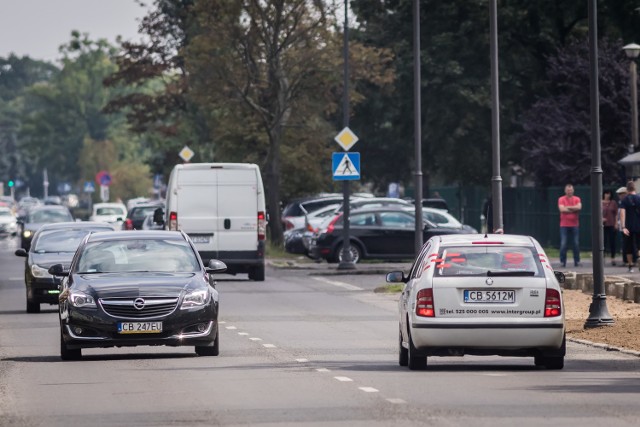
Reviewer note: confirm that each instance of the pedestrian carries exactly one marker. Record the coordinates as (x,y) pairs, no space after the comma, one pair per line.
(622,193)
(609,223)
(630,218)
(569,206)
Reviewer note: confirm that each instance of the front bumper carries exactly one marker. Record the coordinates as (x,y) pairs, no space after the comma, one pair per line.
(43,290)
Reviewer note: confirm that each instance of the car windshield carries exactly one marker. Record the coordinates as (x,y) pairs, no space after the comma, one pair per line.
(141,212)
(109,211)
(139,255)
(48,216)
(5,213)
(59,240)
(487,261)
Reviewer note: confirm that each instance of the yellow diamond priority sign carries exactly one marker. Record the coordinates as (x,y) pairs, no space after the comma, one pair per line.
(186,153)
(346,138)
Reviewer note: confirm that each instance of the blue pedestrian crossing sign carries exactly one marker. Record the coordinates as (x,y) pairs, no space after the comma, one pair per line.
(89,187)
(345,166)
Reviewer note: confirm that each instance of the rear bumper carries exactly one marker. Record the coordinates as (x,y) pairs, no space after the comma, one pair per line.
(237,261)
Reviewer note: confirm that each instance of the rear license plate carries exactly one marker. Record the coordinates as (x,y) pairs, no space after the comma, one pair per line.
(503,297)
(200,238)
(139,327)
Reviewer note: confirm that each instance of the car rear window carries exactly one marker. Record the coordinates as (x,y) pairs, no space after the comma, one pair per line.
(487,260)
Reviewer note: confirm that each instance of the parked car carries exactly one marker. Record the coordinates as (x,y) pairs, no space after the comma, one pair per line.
(378,233)
(293,214)
(481,295)
(131,288)
(113,213)
(149,223)
(137,214)
(376,202)
(444,219)
(37,217)
(296,241)
(52,244)
(8,222)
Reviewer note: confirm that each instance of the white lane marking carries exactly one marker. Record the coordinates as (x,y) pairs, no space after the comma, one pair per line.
(343,379)
(16,278)
(323,370)
(495,375)
(243,333)
(339,284)
(368,389)
(222,322)
(231,327)
(302,360)
(268,345)
(397,401)
(255,339)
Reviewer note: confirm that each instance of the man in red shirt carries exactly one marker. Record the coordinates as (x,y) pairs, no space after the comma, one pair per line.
(569,206)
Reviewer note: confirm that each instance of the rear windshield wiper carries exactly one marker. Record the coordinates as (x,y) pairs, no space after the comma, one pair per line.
(516,273)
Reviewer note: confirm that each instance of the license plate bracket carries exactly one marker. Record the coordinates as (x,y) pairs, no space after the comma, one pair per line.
(200,238)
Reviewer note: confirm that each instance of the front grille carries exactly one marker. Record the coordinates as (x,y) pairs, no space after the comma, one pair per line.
(126,307)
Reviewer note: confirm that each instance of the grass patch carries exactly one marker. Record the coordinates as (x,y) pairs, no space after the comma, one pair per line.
(394,288)
(277,251)
(555,253)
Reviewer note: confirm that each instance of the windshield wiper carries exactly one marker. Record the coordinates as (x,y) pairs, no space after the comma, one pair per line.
(517,273)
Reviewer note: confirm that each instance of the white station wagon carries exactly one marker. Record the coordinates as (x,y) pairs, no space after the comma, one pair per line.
(481,294)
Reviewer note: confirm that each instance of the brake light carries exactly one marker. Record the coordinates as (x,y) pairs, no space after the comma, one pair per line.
(173,221)
(332,225)
(424,303)
(552,305)
(128,224)
(288,225)
(262,226)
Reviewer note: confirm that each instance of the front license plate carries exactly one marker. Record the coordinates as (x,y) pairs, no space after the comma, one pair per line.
(504,296)
(200,238)
(139,327)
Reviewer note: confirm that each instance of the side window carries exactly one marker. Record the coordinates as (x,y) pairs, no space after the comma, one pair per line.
(418,266)
(363,219)
(396,220)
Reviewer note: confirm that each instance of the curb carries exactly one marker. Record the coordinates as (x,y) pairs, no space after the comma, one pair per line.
(606,347)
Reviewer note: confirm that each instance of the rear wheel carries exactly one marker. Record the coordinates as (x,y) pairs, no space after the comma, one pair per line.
(356,253)
(415,361)
(257,273)
(403,353)
(209,351)
(67,353)
(553,360)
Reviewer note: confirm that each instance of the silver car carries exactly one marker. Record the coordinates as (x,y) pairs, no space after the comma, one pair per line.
(481,295)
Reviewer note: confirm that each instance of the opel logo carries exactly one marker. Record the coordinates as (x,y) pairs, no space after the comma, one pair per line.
(488,282)
(138,303)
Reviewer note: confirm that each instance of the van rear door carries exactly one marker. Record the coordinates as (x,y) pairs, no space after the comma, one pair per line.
(237,209)
(197,202)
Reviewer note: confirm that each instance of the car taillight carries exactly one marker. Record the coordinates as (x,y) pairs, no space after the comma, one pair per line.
(332,225)
(424,303)
(288,225)
(173,221)
(128,224)
(552,305)
(262,226)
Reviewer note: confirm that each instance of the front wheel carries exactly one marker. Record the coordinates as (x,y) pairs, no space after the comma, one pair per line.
(214,350)
(67,353)
(353,249)
(32,306)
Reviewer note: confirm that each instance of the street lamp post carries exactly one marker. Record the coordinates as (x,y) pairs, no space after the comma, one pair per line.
(633,50)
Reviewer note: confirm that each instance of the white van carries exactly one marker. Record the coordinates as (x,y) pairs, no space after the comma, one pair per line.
(221,206)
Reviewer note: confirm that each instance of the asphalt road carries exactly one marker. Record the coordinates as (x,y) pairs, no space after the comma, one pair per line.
(298,350)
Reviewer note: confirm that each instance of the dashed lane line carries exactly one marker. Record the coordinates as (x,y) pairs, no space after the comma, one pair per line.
(339,284)
(343,379)
(368,389)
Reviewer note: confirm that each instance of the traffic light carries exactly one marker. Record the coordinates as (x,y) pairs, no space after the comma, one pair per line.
(11,183)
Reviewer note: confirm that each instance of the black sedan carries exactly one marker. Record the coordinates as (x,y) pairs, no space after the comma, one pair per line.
(52,244)
(36,217)
(138,213)
(131,288)
(376,233)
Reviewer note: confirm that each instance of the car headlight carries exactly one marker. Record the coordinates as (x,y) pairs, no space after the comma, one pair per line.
(27,233)
(195,299)
(81,300)
(38,271)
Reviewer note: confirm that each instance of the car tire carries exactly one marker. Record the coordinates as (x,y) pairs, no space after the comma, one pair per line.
(214,350)
(553,360)
(415,361)
(257,274)
(356,252)
(67,353)
(403,353)
(32,307)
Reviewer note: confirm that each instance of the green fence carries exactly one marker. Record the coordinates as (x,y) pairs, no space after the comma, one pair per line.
(526,210)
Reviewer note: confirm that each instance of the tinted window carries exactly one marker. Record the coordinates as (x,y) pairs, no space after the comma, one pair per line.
(139,213)
(363,219)
(109,211)
(478,260)
(50,216)
(60,240)
(396,219)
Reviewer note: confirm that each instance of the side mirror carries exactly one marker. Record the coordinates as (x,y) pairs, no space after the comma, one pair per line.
(58,270)
(21,252)
(216,266)
(158,216)
(396,277)
(559,275)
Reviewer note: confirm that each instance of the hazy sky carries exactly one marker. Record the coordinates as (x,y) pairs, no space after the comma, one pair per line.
(38,27)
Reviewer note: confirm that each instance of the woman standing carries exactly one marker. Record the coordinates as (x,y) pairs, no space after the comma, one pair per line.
(609,223)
